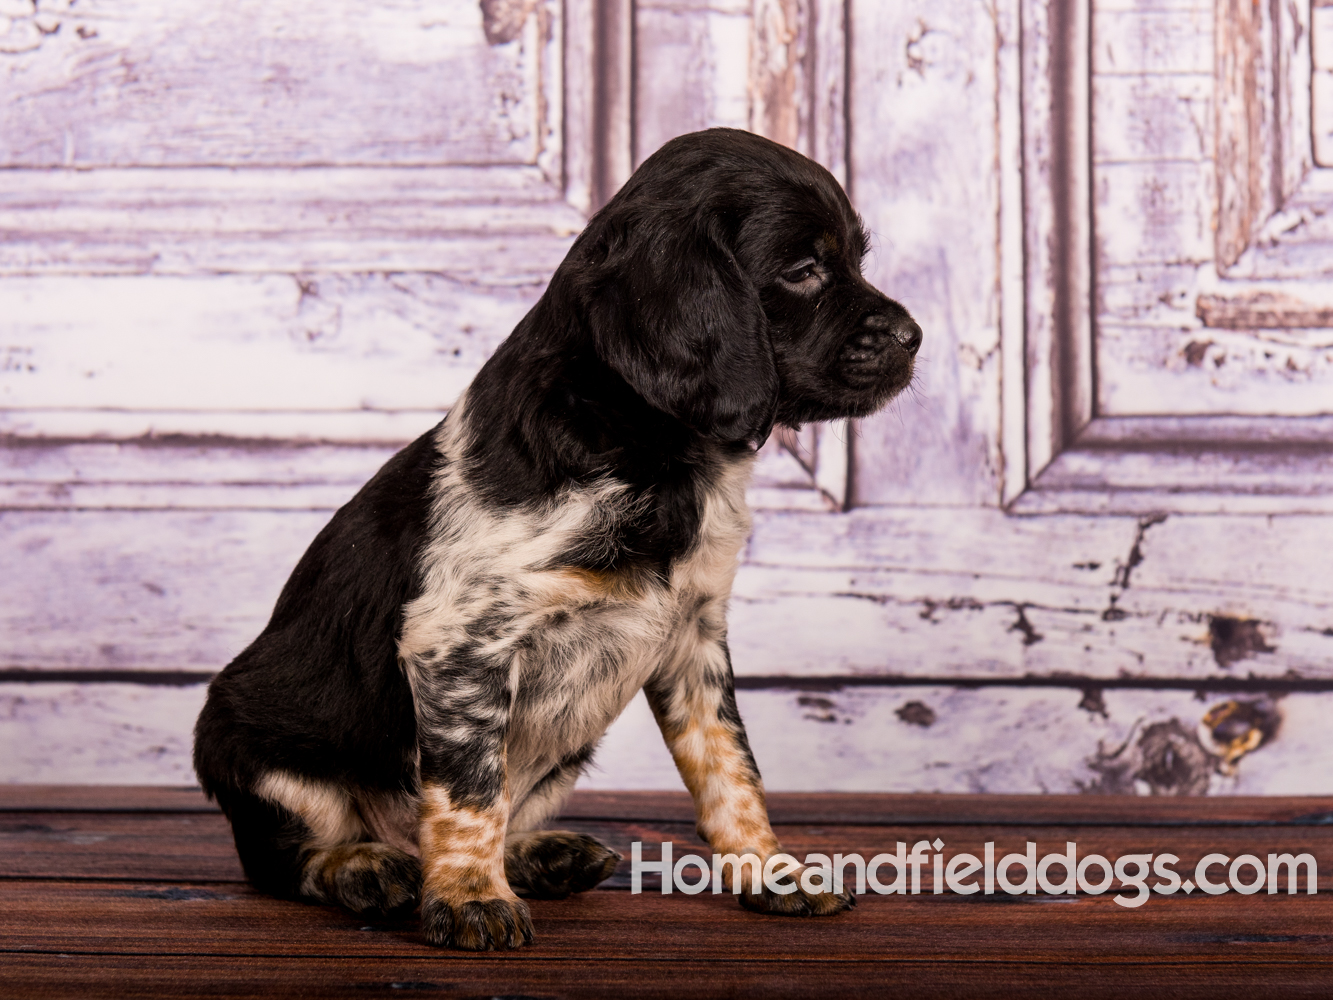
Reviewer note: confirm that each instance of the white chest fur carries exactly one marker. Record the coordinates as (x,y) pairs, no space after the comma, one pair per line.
(572,646)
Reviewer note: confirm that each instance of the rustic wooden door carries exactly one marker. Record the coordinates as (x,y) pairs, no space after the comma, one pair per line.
(246,254)
(1088,552)
(246,251)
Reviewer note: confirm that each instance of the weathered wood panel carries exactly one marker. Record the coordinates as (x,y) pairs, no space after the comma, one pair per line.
(922,98)
(1194,601)
(1156,212)
(1158,117)
(832,737)
(914,646)
(1321,96)
(1198,158)
(893,593)
(1146,370)
(1171,36)
(153,83)
(1021,739)
(883,582)
(88,732)
(143,590)
(502,224)
(319,356)
(227,474)
(692,68)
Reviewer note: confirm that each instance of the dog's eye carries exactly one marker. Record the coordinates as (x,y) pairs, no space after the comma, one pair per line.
(801,272)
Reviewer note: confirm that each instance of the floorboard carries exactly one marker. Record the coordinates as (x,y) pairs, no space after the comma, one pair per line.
(137,893)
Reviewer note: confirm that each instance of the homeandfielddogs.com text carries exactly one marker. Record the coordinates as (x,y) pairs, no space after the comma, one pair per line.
(924,869)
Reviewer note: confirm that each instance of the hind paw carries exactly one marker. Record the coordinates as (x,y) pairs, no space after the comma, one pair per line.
(370,879)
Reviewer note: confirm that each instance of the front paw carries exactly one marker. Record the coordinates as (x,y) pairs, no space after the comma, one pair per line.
(551,864)
(797,902)
(476,924)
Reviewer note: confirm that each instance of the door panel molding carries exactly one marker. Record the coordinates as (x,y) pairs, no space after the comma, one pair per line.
(476,216)
(1076,459)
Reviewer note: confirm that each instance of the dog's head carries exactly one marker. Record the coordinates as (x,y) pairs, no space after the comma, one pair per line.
(723,283)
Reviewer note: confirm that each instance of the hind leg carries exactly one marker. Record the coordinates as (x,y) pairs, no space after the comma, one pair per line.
(301,839)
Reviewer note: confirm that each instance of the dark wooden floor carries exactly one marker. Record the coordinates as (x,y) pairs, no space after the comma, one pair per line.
(137,892)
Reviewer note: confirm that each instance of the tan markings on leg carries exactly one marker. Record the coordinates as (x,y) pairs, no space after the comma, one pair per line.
(327,811)
(728,797)
(462,848)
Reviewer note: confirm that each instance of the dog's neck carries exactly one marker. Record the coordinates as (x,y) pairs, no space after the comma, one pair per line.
(541,418)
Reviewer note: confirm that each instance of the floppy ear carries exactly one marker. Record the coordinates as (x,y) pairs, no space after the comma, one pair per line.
(675,316)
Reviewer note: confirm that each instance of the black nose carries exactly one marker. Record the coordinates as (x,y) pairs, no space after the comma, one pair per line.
(909,335)
(902,328)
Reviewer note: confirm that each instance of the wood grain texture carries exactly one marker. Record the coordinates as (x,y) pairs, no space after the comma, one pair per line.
(1271,310)
(129,919)
(90,732)
(104,798)
(148,83)
(1321,96)
(902,592)
(313,315)
(932,218)
(1155,213)
(1147,370)
(1154,106)
(495,225)
(1058,240)
(1240,126)
(1156,117)
(692,69)
(1139,38)
(167,848)
(1247,969)
(834,735)
(91,901)
(163,472)
(1191,149)
(321,356)
(1208,941)
(1020,739)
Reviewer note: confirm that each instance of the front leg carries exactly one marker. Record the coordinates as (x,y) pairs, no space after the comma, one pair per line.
(463,708)
(695,706)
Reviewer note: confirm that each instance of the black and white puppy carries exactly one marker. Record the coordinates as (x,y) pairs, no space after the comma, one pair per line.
(448,652)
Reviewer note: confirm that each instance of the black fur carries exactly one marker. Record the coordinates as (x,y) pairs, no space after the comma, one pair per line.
(320,692)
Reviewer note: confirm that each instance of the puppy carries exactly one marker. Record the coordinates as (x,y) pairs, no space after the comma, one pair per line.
(448,652)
